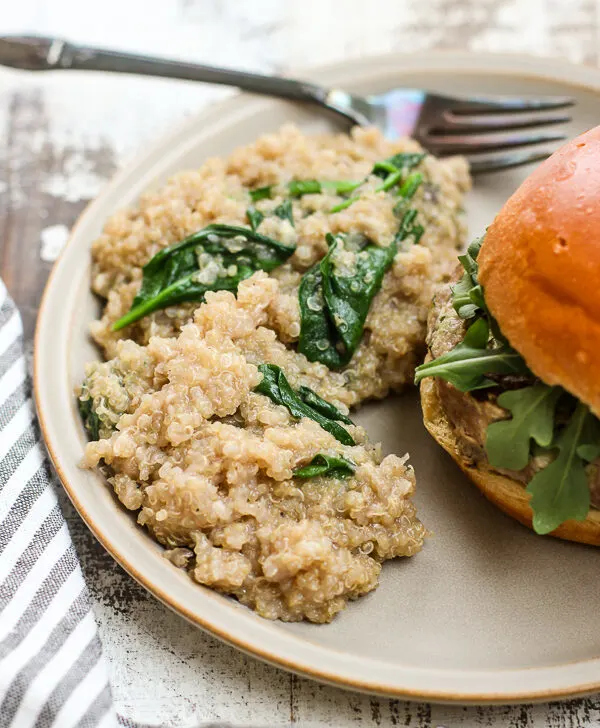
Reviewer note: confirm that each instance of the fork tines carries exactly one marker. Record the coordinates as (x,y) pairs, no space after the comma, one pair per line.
(481,126)
(481,104)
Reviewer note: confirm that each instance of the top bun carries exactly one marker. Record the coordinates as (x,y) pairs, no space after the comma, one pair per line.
(540,268)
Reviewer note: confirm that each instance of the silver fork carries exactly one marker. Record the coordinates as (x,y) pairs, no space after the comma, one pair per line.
(493,132)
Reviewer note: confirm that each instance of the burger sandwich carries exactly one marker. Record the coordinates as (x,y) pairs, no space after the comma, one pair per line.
(511,384)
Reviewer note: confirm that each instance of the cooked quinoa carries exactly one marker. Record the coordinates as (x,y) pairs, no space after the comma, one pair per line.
(177,426)
(208,464)
(394,335)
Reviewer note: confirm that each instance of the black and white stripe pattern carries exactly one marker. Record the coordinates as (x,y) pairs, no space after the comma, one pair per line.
(52,673)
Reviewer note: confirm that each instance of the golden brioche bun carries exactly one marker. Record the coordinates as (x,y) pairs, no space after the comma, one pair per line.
(540,269)
(508,494)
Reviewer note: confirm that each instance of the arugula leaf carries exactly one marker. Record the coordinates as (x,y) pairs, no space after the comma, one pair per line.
(334,306)
(588,452)
(91,421)
(261,193)
(461,298)
(466,366)
(326,466)
(174,274)
(255,217)
(560,491)
(508,442)
(275,385)
(467,295)
(478,354)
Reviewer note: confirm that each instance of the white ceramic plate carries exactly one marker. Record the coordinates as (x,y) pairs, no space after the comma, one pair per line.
(488,612)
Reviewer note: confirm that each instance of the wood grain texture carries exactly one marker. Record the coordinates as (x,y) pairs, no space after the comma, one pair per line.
(62,135)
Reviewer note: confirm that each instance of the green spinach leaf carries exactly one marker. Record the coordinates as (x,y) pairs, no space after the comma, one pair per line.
(589,452)
(255,217)
(409,229)
(318,336)
(345,204)
(312,399)
(275,385)
(300,187)
(175,274)
(334,303)
(410,185)
(508,443)
(284,211)
(326,466)
(261,193)
(91,421)
(402,161)
(392,175)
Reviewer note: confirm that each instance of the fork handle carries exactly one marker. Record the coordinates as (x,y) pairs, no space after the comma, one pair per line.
(94,59)
(39,53)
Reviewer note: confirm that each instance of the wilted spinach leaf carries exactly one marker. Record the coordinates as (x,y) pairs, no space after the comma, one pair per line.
(255,217)
(174,275)
(393,174)
(261,193)
(300,187)
(312,399)
(91,421)
(326,466)
(276,386)
(284,211)
(334,304)
(402,161)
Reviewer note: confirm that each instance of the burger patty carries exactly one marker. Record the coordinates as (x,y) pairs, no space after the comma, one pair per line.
(470,413)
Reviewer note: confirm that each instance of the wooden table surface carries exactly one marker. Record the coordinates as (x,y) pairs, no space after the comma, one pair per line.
(62,135)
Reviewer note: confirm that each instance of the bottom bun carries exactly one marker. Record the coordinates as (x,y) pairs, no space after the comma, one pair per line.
(508,494)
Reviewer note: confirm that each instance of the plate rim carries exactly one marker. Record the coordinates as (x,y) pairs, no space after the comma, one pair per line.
(524,66)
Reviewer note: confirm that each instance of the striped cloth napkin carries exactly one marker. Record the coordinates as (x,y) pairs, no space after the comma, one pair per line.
(52,672)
